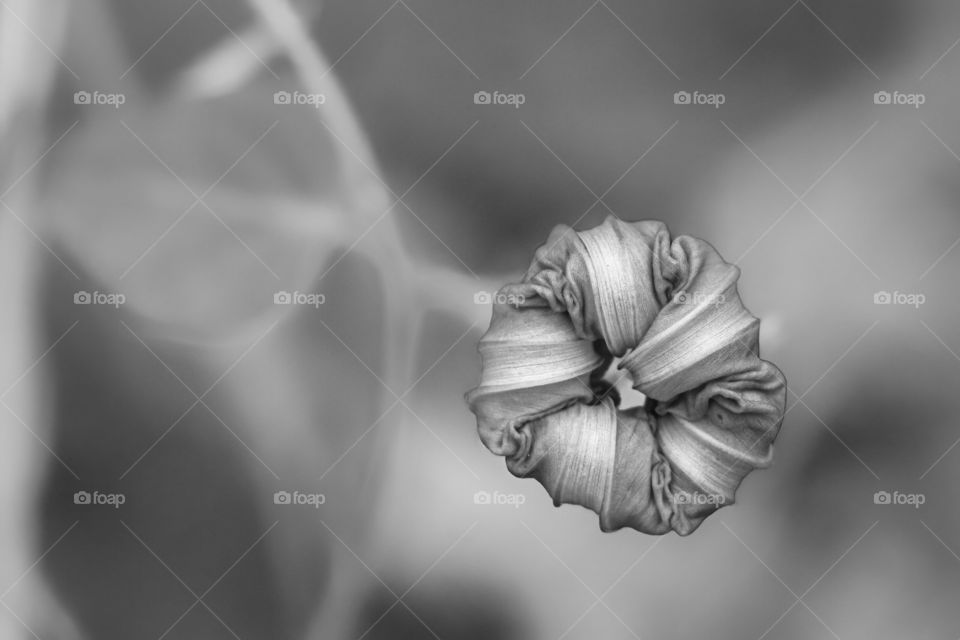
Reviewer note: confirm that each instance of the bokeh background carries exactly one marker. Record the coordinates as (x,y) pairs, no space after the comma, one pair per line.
(185,186)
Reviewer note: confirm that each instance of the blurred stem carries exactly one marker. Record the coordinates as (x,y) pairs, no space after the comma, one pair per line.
(368,198)
(337,114)
(27,75)
(367,195)
(428,287)
(27,70)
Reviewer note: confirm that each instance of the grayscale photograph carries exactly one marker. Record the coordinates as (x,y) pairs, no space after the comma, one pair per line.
(529,320)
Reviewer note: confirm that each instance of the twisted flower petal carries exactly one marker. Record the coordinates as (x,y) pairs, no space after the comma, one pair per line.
(670,311)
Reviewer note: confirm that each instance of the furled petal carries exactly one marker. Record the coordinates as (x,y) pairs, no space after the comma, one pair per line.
(671,311)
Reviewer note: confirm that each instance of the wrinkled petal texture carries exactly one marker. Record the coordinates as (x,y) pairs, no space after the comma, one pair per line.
(670,311)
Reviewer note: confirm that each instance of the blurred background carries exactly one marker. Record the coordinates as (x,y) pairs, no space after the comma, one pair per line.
(244,250)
